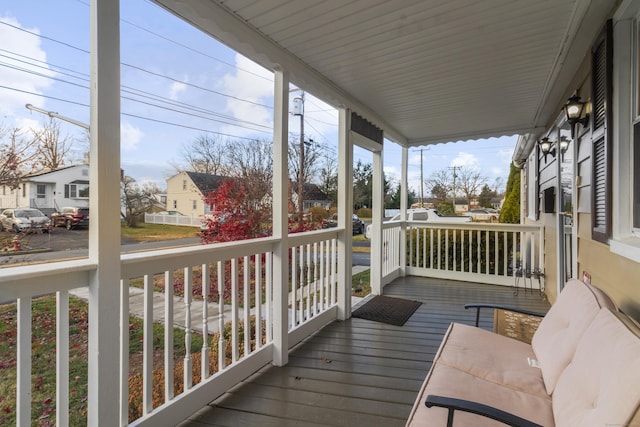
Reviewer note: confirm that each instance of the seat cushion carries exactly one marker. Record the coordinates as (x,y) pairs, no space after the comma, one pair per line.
(600,387)
(492,357)
(451,382)
(556,339)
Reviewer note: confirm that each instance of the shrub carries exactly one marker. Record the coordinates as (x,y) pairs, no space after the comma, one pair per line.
(318,213)
(364,213)
(446,208)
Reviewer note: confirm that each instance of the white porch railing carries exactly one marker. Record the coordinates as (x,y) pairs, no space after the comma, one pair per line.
(223,287)
(489,253)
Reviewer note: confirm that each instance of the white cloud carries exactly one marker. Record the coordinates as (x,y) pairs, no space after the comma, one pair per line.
(466,160)
(255,87)
(27,45)
(176,88)
(130,136)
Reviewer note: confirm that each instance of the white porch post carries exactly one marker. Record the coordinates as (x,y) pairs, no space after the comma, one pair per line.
(377,209)
(104,234)
(404,191)
(345,210)
(280,219)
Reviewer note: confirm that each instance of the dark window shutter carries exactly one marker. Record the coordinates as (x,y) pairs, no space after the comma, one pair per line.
(66,191)
(636,175)
(602,126)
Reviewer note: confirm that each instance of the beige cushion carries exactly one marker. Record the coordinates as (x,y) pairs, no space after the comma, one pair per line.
(492,357)
(556,339)
(601,385)
(451,382)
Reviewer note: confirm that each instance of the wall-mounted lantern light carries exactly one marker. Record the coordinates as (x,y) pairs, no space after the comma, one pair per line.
(575,112)
(549,147)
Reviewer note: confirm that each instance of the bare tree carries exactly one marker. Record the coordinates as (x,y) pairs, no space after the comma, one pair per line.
(205,154)
(329,179)
(310,167)
(137,199)
(18,156)
(470,181)
(53,149)
(252,161)
(439,184)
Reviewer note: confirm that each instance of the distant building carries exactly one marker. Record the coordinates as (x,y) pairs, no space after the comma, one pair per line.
(49,191)
(186,192)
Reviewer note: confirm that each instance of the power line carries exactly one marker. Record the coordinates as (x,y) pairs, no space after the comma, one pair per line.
(182,45)
(131,115)
(138,68)
(130,90)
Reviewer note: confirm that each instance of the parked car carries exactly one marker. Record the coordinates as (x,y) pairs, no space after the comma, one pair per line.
(358,225)
(175,213)
(24,219)
(71,217)
(425,215)
(484,214)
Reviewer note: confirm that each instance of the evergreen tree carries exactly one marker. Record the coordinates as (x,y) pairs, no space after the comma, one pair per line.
(510,212)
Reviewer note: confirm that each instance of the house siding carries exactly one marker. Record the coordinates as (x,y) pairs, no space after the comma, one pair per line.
(615,274)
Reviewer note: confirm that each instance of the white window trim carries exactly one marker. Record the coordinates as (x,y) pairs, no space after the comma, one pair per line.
(624,241)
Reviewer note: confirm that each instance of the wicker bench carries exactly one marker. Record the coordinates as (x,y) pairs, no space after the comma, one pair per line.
(581,369)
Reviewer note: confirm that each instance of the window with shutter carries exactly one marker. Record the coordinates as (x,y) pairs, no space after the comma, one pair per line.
(601,125)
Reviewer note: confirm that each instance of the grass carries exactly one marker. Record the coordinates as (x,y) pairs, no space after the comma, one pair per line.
(43,391)
(155,232)
(361,284)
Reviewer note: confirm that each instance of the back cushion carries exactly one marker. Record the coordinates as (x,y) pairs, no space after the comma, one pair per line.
(556,339)
(600,387)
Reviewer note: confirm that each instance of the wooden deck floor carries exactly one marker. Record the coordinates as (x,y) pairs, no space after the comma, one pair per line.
(359,372)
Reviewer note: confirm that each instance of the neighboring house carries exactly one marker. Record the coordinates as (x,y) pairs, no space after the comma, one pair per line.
(186,192)
(49,191)
(581,177)
(312,197)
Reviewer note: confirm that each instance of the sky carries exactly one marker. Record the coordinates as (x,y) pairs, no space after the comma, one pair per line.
(177,85)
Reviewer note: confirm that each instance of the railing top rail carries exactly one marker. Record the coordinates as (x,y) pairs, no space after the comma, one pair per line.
(467,226)
(297,239)
(39,279)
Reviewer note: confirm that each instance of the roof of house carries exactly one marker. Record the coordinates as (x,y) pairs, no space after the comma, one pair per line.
(205,182)
(311,191)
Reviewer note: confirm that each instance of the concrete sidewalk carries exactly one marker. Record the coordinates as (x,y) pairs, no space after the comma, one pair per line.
(136,307)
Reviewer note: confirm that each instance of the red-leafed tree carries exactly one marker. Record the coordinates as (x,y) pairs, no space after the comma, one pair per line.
(236,216)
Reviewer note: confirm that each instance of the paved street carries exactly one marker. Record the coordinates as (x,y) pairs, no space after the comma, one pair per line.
(63,244)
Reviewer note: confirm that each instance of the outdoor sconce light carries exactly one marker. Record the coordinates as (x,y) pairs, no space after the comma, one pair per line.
(549,147)
(575,112)
(546,147)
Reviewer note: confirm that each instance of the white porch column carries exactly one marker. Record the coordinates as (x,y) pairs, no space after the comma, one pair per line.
(345,211)
(404,192)
(104,233)
(280,219)
(377,216)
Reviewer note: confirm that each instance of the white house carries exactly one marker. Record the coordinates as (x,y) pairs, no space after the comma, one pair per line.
(49,191)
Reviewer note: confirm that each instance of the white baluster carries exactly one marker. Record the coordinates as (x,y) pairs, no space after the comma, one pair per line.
(188,377)
(62,358)
(246,290)
(204,373)
(23,379)
(168,336)
(147,348)
(221,341)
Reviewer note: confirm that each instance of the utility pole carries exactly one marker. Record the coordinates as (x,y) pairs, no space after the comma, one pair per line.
(421,150)
(298,110)
(454,168)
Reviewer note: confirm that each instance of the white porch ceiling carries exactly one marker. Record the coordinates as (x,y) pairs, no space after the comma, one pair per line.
(426,71)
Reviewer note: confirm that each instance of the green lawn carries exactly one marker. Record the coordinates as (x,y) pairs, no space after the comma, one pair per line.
(154,232)
(44,358)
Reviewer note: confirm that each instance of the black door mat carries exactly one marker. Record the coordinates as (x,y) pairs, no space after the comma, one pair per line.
(394,311)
